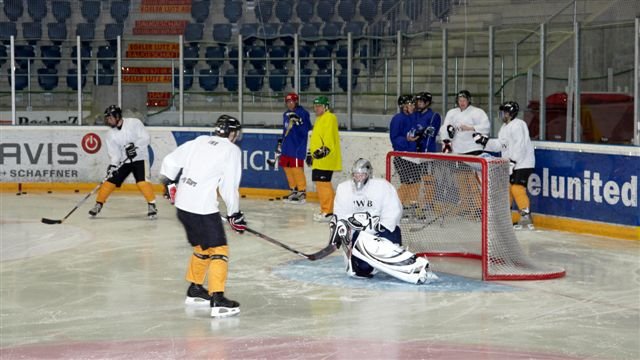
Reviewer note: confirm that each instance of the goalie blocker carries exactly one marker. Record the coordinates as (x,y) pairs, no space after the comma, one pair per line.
(380,253)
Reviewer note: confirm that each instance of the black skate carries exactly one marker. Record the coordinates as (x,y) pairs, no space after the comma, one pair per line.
(152,211)
(96,209)
(299,197)
(197,295)
(223,307)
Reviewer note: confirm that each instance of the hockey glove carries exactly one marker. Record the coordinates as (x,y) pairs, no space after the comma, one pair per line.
(429,131)
(321,152)
(308,159)
(111,171)
(446,146)
(131,151)
(294,118)
(237,222)
(480,139)
(279,147)
(451,131)
(512,166)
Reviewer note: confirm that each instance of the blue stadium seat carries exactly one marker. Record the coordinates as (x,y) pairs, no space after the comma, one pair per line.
(286,31)
(90,10)
(310,32)
(257,57)
(22,78)
(25,55)
(254,80)
(414,9)
(343,79)
(347,10)
(356,28)
(401,25)
(3,55)
(249,32)
(187,74)
(214,56)
(106,56)
(104,77)
(61,10)
(222,33)
(341,56)
(304,10)
(230,79)
(304,54)
(209,79)
(112,31)
(7,30)
(57,32)
(369,10)
(119,11)
(305,79)
(284,10)
(278,79)
(13,9)
(263,10)
(32,32)
(387,5)
(87,32)
(72,79)
(48,78)
(278,56)
(37,9)
(193,33)
(232,57)
(85,55)
(233,11)
(200,11)
(331,32)
(326,9)
(51,55)
(324,80)
(268,33)
(322,56)
(191,55)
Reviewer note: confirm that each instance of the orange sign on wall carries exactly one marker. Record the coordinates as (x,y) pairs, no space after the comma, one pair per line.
(159,27)
(158,99)
(165,6)
(133,74)
(153,50)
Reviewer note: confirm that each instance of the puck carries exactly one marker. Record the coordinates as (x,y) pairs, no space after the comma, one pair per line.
(18,194)
(277,198)
(24,193)
(243,196)
(270,199)
(76,190)
(48,191)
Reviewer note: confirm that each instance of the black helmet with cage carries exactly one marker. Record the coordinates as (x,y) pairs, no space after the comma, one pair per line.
(228,127)
(510,107)
(405,99)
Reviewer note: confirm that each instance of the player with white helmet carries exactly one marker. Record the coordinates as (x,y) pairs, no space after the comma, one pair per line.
(366,224)
(210,165)
(515,144)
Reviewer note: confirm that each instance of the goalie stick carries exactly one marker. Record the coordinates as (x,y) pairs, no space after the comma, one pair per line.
(54,222)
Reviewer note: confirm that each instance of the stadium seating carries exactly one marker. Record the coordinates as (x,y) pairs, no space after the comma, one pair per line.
(230,79)
(283,11)
(119,11)
(48,78)
(222,33)
(310,33)
(191,55)
(208,79)
(257,57)
(268,33)
(278,56)
(61,10)
(324,80)
(387,5)
(254,80)
(347,10)
(85,55)
(193,33)
(51,55)
(322,56)
(331,32)
(304,10)
(325,9)
(32,32)
(87,32)
(22,78)
(287,30)
(343,78)
(200,11)
(7,30)
(3,55)
(214,56)
(233,11)
(90,10)
(106,56)
(278,79)
(187,74)
(104,77)
(249,32)
(356,28)
(305,79)
(57,32)
(263,10)
(304,54)
(369,10)
(25,55)
(13,9)
(112,31)
(37,9)
(72,79)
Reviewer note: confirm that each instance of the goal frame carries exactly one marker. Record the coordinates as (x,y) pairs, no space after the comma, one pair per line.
(484,219)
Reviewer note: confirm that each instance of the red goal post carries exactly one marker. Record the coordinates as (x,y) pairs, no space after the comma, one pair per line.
(458,205)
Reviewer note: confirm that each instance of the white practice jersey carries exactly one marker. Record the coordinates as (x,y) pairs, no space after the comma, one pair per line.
(515,144)
(132,131)
(463,142)
(378,197)
(210,164)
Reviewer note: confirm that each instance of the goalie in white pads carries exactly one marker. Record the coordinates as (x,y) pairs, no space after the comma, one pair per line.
(367,213)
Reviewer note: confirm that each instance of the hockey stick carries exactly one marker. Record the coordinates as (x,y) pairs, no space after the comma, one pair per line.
(53,222)
(315,256)
(272,162)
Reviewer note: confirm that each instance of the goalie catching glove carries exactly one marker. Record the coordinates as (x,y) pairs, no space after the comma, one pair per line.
(130,149)
(480,139)
(237,223)
(321,152)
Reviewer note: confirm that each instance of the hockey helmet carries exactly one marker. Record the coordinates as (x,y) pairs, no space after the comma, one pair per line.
(424,96)
(510,107)
(321,100)
(291,97)
(226,126)
(113,110)
(465,94)
(361,171)
(405,99)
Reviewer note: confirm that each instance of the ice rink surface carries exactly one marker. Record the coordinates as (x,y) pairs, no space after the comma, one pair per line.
(113,288)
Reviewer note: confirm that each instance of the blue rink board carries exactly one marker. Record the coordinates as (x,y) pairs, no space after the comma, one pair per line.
(330,272)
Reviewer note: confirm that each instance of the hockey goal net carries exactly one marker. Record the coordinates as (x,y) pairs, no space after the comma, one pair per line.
(458,205)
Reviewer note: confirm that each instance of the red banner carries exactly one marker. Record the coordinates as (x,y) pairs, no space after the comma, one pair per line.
(146,75)
(153,50)
(159,27)
(158,99)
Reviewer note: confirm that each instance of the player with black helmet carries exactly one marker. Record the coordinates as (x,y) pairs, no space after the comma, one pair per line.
(427,123)
(210,165)
(401,133)
(461,123)
(515,144)
(127,143)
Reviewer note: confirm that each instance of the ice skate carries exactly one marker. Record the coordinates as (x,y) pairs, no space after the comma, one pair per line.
(223,307)
(95,210)
(197,295)
(322,217)
(300,197)
(525,223)
(290,195)
(152,211)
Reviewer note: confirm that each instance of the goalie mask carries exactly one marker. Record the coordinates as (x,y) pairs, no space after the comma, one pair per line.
(228,127)
(361,172)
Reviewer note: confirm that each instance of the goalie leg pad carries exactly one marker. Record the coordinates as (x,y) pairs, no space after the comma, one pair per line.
(385,256)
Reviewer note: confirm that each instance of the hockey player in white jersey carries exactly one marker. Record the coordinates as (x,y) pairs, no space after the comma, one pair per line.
(460,123)
(127,143)
(515,145)
(366,224)
(210,165)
